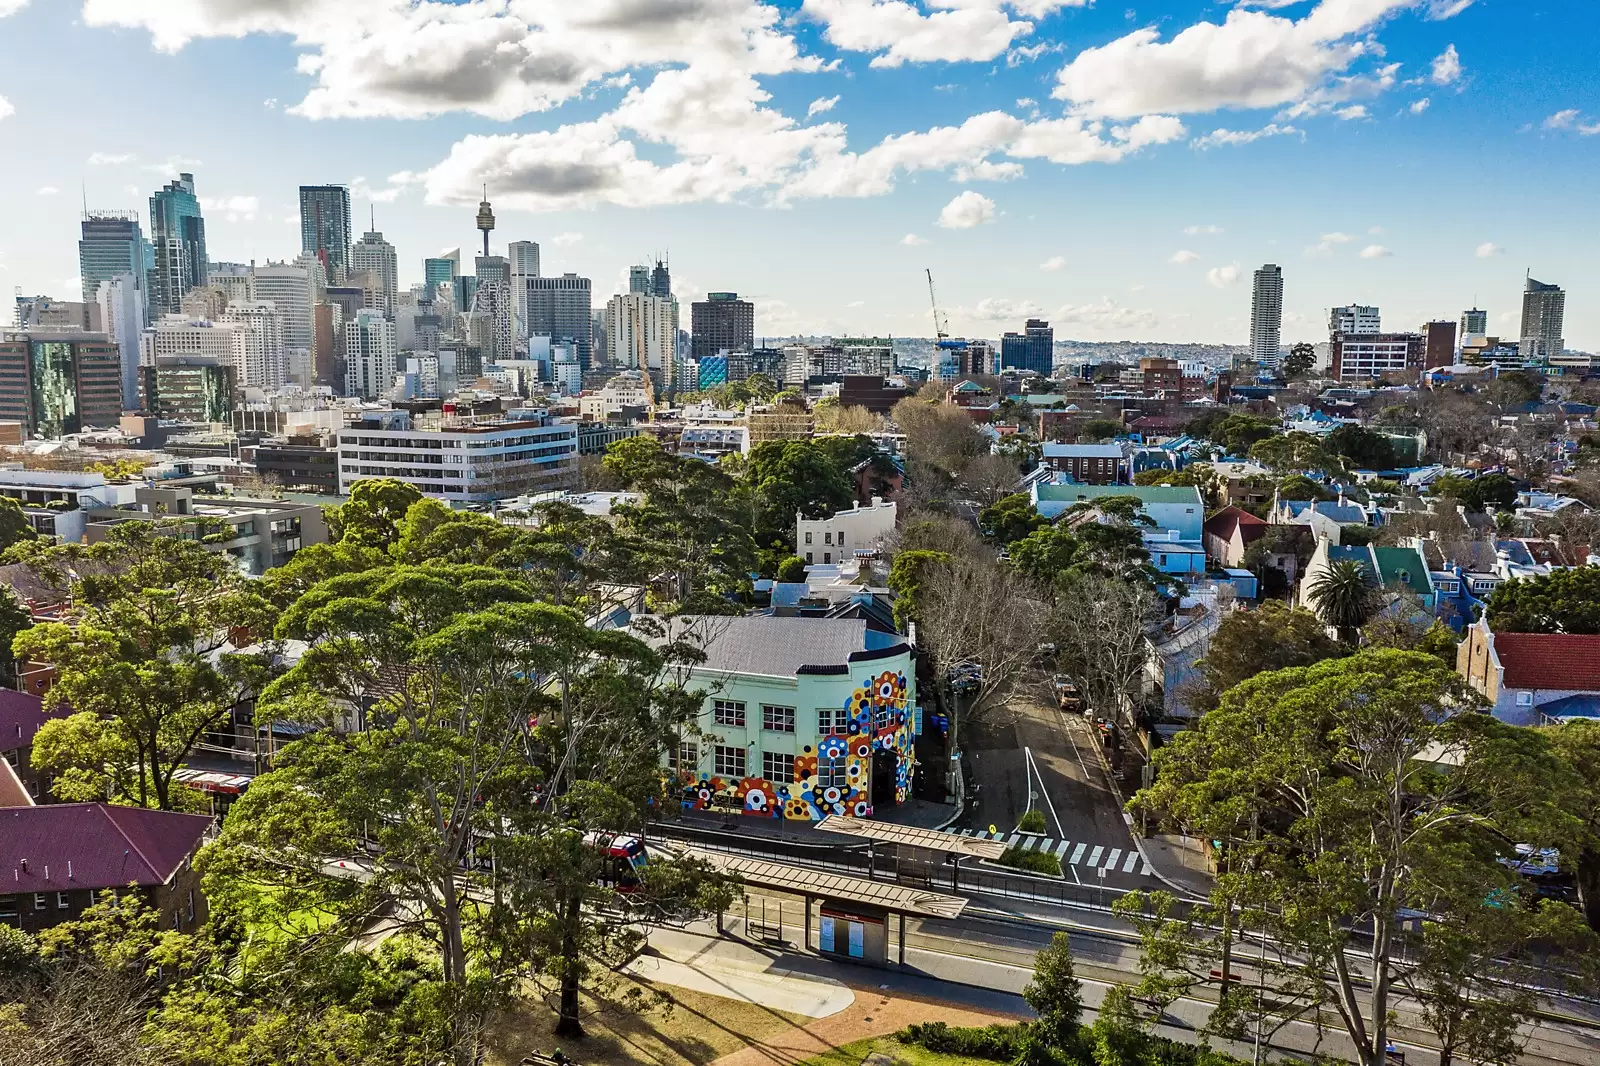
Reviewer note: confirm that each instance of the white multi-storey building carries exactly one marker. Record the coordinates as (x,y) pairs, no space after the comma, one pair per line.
(263,362)
(292,289)
(175,335)
(641,332)
(122,308)
(461,461)
(1266,316)
(838,537)
(371,355)
(375,257)
(1355,319)
(624,390)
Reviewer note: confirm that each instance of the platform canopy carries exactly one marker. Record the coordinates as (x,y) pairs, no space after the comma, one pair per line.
(837,888)
(912,837)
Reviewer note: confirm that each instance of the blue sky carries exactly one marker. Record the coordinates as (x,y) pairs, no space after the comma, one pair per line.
(1119,168)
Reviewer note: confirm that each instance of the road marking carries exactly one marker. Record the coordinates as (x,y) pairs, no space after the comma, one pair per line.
(1061,848)
(1011,841)
(1133,857)
(1036,775)
(1148,871)
(1111,860)
(1094,856)
(1076,855)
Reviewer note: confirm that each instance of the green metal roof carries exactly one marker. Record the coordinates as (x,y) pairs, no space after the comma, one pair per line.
(1394,562)
(1146,493)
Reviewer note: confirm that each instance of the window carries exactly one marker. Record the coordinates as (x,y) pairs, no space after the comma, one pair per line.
(827,537)
(827,557)
(729,761)
(776,768)
(40,902)
(808,537)
(1524,699)
(830,773)
(833,721)
(808,554)
(728,712)
(686,758)
(63,901)
(190,909)
(777,719)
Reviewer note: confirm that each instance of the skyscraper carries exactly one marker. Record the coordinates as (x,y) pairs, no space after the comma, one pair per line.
(524,256)
(1544,312)
(60,382)
(325,228)
(640,333)
(661,281)
(1440,343)
(263,363)
(639,279)
(441,270)
(113,244)
(722,323)
(375,256)
(558,308)
(371,355)
(1474,323)
(178,237)
(1033,349)
(122,308)
(1266,316)
(291,289)
(495,301)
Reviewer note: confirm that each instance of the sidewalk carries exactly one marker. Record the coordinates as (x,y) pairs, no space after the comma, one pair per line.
(914,812)
(1180,861)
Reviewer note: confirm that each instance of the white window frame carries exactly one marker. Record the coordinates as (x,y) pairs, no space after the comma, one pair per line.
(831,773)
(777,767)
(780,722)
(729,755)
(728,713)
(1524,699)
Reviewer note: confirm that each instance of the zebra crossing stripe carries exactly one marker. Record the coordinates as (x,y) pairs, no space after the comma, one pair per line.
(1076,855)
(1148,871)
(1111,859)
(1011,841)
(1094,856)
(1061,848)
(1133,857)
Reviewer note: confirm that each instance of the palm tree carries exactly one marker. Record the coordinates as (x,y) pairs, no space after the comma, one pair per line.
(1345,598)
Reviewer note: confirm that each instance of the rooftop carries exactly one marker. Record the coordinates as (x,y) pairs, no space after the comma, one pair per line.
(780,646)
(1551,661)
(21,716)
(1148,493)
(1053,450)
(63,846)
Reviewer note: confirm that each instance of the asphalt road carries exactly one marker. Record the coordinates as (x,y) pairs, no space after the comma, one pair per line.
(1042,758)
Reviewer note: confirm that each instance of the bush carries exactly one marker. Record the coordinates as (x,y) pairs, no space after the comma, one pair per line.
(1032,822)
(1037,862)
(995,1042)
(792,569)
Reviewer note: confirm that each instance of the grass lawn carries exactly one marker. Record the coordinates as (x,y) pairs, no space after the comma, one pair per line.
(901,1054)
(695,1030)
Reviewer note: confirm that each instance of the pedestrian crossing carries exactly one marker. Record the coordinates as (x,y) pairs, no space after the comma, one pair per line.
(1080,854)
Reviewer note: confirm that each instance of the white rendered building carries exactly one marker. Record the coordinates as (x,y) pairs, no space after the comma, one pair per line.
(837,538)
(371,355)
(460,461)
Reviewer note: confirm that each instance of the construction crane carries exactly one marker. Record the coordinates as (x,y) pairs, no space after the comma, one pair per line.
(941,323)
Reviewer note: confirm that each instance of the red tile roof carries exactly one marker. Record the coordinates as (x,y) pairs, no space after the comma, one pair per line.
(21,715)
(1550,661)
(1224,522)
(104,846)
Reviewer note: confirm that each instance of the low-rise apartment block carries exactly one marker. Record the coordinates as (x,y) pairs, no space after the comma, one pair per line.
(460,459)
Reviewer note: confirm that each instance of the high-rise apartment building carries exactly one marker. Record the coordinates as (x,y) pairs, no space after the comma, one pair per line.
(1544,311)
(722,323)
(290,288)
(559,308)
(375,257)
(371,356)
(639,279)
(236,282)
(1266,316)
(122,309)
(112,245)
(1033,349)
(496,302)
(1440,349)
(58,383)
(524,256)
(440,270)
(641,337)
(178,240)
(325,229)
(263,363)
(1474,323)
(1355,319)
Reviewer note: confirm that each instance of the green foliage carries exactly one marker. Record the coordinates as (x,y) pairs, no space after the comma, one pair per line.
(997,1043)
(1038,862)
(118,469)
(1478,494)
(1055,993)
(1010,519)
(371,517)
(1031,822)
(1292,452)
(1300,360)
(907,576)
(14,525)
(1101,429)
(1345,596)
(1364,449)
(1300,487)
(792,569)
(1202,476)
(1236,433)
(796,478)
(1274,636)
(1564,601)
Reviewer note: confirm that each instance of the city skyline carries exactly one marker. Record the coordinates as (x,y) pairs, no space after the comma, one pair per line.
(1113,225)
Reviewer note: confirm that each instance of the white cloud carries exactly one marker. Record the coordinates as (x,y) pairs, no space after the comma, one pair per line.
(1439,10)
(1420,106)
(1354,111)
(11,7)
(270,103)
(1377,231)
(498,58)
(1375,251)
(1489,249)
(1202,231)
(6,108)
(1054,263)
(820,105)
(1000,309)
(1220,138)
(1337,238)
(1223,276)
(1320,248)
(967,210)
(172,166)
(900,33)
(1572,119)
(1106,316)
(1446,68)
(856,303)
(565,240)
(108,159)
(988,170)
(48,190)
(911,240)
(1183,257)
(362,189)
(1026,102)
(231,208)
(1252,60)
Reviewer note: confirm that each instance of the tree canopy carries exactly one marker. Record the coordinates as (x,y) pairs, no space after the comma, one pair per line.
(1563,601)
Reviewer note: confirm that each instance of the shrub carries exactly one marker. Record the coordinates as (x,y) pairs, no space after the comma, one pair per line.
(1037,862)
(997,1043)
(1032,822)
(792,569)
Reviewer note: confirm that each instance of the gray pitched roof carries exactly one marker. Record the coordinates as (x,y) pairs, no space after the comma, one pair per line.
(775,646)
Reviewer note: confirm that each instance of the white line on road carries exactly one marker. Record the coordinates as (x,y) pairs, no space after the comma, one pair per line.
(1127,866)
(1061,848)
(1033,769)
(1011,841)
(1076,855)
(1148,871)
(1111,860)
(1094,856)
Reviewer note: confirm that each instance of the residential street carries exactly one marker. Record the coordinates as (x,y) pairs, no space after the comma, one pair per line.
(1050,758)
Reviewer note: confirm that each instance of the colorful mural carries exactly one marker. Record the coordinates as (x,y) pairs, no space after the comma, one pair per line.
(878,720)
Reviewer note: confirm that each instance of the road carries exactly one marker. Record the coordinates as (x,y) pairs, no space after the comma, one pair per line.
(1042,758)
